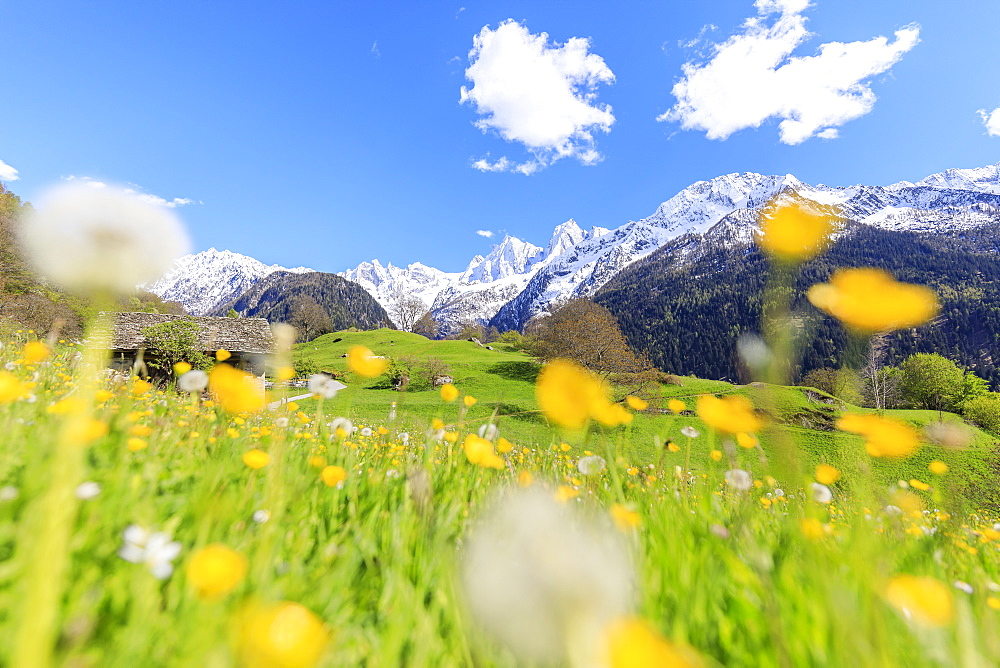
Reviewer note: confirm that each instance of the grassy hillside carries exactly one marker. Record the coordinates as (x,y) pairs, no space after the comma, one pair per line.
(503,384)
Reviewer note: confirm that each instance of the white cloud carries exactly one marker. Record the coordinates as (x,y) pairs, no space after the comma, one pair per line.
(991,119)
(484,233)
(7,173)
(375,51)
(752,77)
(538,94)
(137,191)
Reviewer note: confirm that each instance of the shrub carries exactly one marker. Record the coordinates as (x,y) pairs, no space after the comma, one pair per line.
(984,412)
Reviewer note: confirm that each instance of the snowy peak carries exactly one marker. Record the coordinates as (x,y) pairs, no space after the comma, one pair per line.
(511,256)
(982,179)
(209,279)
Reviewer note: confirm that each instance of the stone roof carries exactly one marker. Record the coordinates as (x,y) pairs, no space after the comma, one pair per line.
(237,335)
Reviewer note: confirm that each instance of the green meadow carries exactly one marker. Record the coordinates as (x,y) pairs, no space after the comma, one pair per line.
(359,548)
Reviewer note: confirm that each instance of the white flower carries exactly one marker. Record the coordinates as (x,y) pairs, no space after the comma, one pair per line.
(9,493)
(322,385)
(391,473)
(541,577)
(778,491)
(194,380)
(366,431)
(342,423)
(156,550)
(591,465)
(488,431)
(738,479)
(963,586)
(821,493)
(10,366)
(281,422)
(690,432)
(404,437)
(261,516)
(101,238)
(87,490)
(893,510)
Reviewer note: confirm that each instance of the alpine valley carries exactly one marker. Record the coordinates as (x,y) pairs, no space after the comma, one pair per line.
(687,281)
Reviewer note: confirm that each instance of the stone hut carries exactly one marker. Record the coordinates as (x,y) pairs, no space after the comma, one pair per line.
(247,339)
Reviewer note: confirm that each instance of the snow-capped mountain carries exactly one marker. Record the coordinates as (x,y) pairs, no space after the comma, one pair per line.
(206,280)
(476,294)
(726,208)
(517,280)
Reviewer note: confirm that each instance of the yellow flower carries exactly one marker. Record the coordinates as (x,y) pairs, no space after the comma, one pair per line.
(181,368)
(285,373)
(731,414)
(919,484)
(790,232)
(222,355)
(469,401)
(101,396)
(924,600)
(716,455)
(215,570)
(570,396)
(140,387)
(871,300)
(333,475)
(625,519)
(564,493)
(884,437)
(503,445)
(676,405)
(67,406)
(911,504)
(993,602)
(826,474)
(281,635)
(135,444)
(11,388)
(140,430)
(746,440)
(636,404)
(633,643)
(938,467)
(449,392)
(363,362)
(673,447)
(524,479)
(237,391)
(480,452)
(35,351)
(811,528)
(256,458)
(85,429)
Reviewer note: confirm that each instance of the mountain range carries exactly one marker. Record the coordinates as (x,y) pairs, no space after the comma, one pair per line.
(518,280)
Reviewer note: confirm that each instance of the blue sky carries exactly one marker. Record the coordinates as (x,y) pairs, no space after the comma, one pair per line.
(327,133)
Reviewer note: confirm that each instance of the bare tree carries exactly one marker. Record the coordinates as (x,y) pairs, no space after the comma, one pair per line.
(310,319)
(880,385)
(405,310)
(587,333)
(426,326)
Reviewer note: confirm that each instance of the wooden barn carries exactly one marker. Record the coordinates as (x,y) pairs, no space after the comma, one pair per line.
(247,339)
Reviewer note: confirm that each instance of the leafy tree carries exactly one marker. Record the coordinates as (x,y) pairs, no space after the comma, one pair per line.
(984,411)
(232,313)
(931,381)
(588,334)
(168,343)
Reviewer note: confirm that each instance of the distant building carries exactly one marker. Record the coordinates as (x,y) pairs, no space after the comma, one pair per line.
(248,340)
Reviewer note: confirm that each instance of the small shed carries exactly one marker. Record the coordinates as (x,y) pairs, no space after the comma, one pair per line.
(248,340)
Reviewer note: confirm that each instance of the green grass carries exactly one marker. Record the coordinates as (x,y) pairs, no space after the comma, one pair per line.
(503,384)
(735,576)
